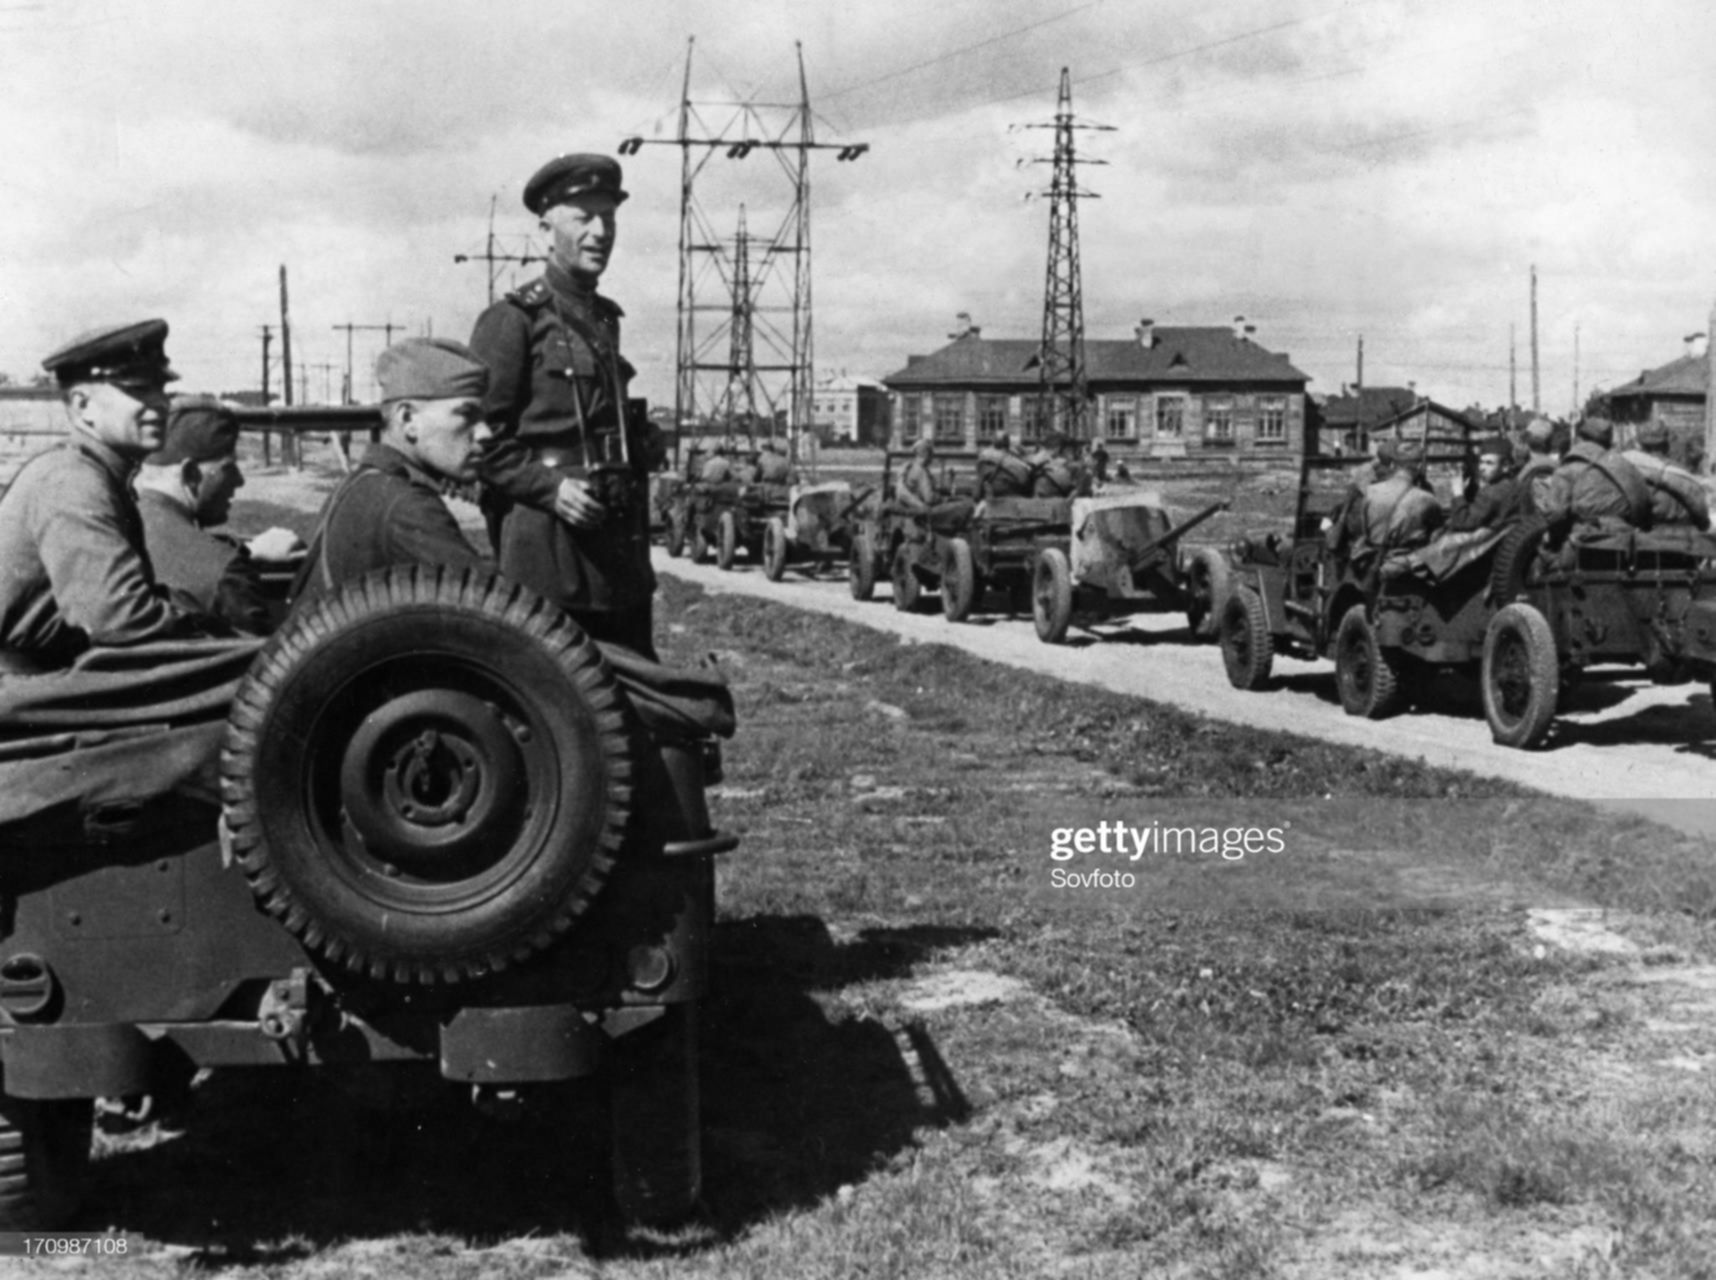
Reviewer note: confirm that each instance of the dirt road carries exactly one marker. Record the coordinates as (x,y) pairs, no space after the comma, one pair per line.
(1621,740)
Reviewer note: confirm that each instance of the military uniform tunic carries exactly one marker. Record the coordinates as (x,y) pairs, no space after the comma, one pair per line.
(74,569)
(388,512)
(1597,486)
(214,572)
(556,403)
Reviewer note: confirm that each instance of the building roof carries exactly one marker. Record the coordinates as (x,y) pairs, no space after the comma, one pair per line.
(1366,406)
(1455,416)
(846,382)
(1687,376)
(1177,356)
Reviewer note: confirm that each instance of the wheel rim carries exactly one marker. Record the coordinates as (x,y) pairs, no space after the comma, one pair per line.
(1511,677)
(422,797)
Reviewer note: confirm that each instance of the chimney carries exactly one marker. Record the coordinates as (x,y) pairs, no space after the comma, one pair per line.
(1239,328)
(1249,330)
(1693,347)
(1146,333)
(963,328)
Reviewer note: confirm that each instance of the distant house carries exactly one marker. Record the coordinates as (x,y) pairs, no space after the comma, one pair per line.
(1435,426)
(1169,392)
(1348,419)
(848,410)
(1672,394)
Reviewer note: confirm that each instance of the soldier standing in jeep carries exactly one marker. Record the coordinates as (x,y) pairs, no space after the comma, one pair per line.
(565,473)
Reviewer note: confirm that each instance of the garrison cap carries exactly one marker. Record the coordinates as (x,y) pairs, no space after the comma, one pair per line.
(1653,435)
(122,353)
(1410,455)
(1539,432)
(199,429)
(1387,449)
(575,175)
(1496,447)
(430,369)
(924,445)
(1597,430)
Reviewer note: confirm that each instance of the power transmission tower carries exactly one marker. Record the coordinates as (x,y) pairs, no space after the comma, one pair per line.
(741,348)
(492,258)
(1063,384)
(781,272)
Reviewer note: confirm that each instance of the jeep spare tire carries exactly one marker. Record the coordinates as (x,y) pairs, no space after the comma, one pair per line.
(427,775)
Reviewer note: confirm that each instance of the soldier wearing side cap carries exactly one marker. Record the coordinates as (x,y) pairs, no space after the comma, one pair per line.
(565,473)
(1399,512)
(1595,484)
(75,572)
(1676,497)
(1498,499)
(389,510)
(1537,460)
(916,488)
(184,490)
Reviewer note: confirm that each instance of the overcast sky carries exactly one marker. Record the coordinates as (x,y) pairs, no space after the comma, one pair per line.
(1390,168)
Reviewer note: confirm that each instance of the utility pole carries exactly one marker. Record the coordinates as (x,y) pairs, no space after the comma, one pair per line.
(1063,385)
(753,126)
(386,330)
(1512,367)
(1575,371)
(1360,383)
(489,256)
(288,442)
(1536,385)
(267,435)
(1710,393)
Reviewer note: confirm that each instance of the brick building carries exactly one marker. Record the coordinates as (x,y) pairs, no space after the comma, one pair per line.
(1169,392)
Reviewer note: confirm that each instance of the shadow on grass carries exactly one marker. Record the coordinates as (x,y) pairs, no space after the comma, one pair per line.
(276,1165)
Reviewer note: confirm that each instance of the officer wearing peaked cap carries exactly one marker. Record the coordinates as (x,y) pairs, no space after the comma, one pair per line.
(74,570)
(389,510)
(565,474)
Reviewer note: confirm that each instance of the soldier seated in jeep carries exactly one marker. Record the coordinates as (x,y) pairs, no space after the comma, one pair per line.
(1596,485)
(1676,497)
(389,510)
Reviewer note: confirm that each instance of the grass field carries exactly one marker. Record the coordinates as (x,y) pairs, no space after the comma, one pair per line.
(1352,1058)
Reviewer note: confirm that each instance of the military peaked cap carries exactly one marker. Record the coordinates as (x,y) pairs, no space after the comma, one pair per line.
(199,429)
(430,369)
(114,353)
(564,177)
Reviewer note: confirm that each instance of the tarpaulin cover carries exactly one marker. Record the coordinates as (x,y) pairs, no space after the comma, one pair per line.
(1110,532)
(694,701)
(817,508)
(119,727)
(1444,557)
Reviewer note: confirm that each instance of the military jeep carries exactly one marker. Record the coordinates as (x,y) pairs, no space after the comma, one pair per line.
(1291,595)
(439,826)
(1565,600)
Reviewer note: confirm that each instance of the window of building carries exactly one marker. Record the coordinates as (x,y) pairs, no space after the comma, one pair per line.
(1272,420)
(910,421)
(991,416)
(1218,420)
(1171,415)
(1031,418)
(949,417)
(1122,417)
